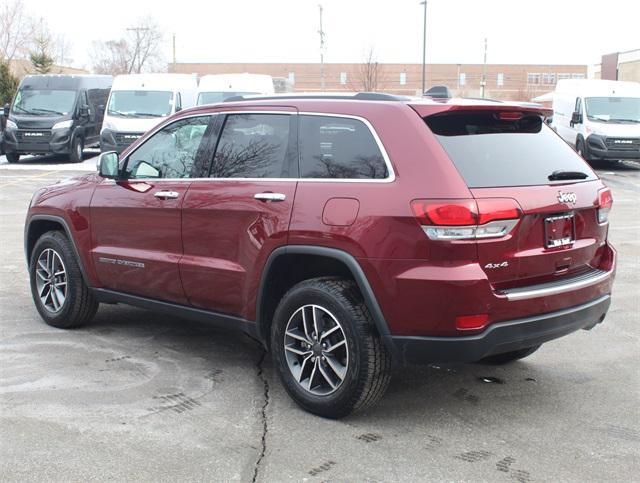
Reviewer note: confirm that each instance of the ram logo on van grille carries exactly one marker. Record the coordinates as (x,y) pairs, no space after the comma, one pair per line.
(567,197)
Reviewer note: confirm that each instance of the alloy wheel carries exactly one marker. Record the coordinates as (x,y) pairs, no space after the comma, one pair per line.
(316,350)
(51,280)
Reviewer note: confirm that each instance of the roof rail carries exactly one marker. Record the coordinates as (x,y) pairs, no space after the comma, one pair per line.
(360,96)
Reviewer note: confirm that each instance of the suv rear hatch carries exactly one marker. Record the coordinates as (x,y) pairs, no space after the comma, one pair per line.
(549,204)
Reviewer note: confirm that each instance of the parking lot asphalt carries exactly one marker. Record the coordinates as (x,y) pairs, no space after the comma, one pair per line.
(146,397)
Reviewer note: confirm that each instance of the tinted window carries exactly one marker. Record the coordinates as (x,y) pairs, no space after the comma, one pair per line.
(336,147)
(173,152)
(490,152)
(253,146)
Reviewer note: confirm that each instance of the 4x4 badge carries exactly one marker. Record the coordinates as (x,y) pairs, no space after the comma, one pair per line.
(567,197)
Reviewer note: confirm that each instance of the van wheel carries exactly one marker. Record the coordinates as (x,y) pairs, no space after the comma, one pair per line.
(581,148)
(507,357)
(13,157)
(77,148)
(328,354)
(58,289)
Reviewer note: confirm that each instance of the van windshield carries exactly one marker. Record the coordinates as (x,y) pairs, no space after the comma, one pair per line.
(613,109)
(44,102)
(140,103)
(219,96)
(491,152)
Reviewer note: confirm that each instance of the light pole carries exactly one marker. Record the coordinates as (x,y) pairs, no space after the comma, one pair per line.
(424,48)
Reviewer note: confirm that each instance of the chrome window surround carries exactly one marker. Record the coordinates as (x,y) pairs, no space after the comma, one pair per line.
(389,179)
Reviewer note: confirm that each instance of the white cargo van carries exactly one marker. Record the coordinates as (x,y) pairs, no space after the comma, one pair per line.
(600,118)
(217,88)
(138,102)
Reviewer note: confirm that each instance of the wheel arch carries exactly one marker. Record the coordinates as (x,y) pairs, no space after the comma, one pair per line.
(38,225)
(284,269)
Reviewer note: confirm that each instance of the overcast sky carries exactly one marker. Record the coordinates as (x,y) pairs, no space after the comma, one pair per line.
(518,31)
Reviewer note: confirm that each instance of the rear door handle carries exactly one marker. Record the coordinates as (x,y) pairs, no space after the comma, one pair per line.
(270,196)
(166,195)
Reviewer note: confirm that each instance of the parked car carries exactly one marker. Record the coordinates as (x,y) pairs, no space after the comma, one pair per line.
(56,114)
(219,87)
(139,102)
(346,233)
(600,118)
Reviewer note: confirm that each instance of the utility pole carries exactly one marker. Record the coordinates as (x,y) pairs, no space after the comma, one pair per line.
(137,30)
(321,32)
(174,51)
(424,48)
(484,70)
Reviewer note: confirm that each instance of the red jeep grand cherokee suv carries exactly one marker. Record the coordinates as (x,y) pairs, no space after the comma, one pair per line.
(346,233)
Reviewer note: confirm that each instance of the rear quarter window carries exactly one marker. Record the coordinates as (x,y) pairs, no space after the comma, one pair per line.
(490,152)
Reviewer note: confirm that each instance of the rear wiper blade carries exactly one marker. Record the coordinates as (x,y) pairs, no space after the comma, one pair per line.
(560,174)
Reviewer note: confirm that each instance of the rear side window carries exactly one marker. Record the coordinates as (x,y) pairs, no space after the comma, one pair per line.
(490,152)
(337,147)
(254,146)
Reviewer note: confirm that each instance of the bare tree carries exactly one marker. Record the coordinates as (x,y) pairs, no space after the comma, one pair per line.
(16,30)
(138,51)
(367,76)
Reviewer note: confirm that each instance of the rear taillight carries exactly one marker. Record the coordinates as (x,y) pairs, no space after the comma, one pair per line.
(468,218)
(605,202)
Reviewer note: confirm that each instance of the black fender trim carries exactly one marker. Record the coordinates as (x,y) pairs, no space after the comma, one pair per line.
(65,226)
(216,319)
(342,256)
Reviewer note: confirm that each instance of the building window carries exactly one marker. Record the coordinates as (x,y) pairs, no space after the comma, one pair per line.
(577,76)
(292,77)
(533,78)
(500,80)
(549,78)
(564,76)
(343,78)
(462,79)
(403,78)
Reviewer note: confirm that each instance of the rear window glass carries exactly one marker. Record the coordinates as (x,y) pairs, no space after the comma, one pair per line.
(489,152)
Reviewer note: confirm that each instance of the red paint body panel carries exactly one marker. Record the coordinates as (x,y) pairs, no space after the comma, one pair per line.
(227,237)
(132,226)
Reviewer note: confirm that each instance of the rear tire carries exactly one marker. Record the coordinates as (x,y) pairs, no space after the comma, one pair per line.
(57,287)
(336,365)
(13,157)
(507,357)
(77,148)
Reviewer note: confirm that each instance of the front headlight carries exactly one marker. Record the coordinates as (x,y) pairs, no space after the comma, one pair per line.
(63,124)
(11,125)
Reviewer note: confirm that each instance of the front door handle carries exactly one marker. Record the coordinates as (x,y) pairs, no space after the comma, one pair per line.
(166,195)
(270,196)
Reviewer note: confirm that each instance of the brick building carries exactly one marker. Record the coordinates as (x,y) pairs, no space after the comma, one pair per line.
(503,81)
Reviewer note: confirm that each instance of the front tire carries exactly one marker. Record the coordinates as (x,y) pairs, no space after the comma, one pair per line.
(581,149)
(12,157)
(77,148)
(507,357)
(57,287)
(329,356)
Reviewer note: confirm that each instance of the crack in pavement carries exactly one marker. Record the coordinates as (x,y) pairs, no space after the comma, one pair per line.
(263,414)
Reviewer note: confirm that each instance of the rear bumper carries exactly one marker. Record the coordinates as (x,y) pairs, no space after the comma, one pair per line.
(499,337)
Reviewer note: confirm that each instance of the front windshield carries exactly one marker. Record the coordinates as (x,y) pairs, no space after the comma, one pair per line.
(140,103)
(612,109)
(44,102)
(219,96)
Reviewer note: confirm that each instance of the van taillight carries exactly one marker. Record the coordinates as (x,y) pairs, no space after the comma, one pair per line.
(467,218)
(605,202)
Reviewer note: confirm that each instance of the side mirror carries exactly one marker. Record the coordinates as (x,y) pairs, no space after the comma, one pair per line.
(84,110)
(108,165)
(6,110)
(576,118)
